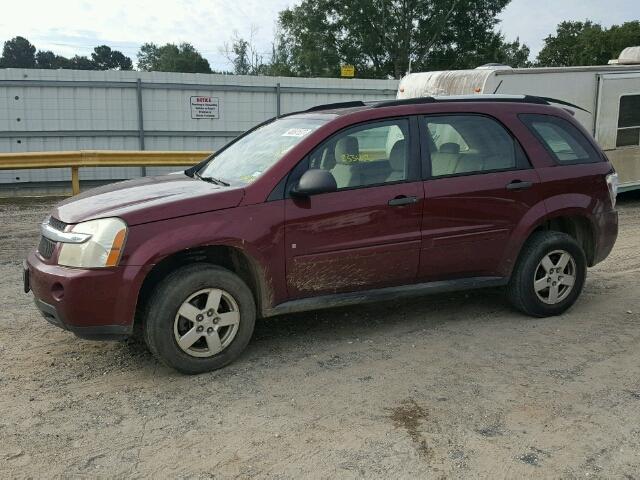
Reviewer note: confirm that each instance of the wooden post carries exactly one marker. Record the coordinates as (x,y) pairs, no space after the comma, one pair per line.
(75,180)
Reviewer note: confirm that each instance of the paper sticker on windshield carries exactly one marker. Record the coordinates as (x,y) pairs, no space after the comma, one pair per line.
(296,132)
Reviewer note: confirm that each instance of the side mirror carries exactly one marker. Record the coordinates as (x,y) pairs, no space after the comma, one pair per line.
(313,182)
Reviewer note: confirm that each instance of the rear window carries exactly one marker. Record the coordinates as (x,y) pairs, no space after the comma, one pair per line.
(565,143)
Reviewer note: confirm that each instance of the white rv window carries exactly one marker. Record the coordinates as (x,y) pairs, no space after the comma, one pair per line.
(629,121)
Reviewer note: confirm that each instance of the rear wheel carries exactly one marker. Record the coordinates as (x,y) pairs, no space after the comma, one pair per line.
(200,318)
(549,275)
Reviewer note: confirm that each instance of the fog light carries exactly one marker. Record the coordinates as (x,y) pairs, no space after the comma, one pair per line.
(57,290)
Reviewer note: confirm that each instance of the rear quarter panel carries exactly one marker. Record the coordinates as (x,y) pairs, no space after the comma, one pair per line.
(565,190)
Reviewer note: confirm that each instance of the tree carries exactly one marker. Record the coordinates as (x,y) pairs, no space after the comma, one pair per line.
(587,43)
(148,57)
(241,64)
(280,64)
(244,56)
(104,58)
(382,38)
(48,59)
(81,63)
(513,54)
(623,36)
(18,53)
(494,50)
(172,58)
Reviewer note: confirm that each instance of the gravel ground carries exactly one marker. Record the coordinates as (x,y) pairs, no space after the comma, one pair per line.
(449,386)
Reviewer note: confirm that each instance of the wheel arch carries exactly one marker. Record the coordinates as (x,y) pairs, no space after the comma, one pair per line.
(577,225)
(574,222)
(232,258)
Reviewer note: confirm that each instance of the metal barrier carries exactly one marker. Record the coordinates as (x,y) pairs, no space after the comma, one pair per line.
(97,158)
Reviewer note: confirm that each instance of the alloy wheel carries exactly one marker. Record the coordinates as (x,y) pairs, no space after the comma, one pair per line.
(206,322)
(555,277)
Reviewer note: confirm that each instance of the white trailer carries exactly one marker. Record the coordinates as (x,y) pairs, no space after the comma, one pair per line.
(609,94)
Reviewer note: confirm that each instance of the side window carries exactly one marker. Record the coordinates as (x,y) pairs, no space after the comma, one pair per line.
(466,144)
(562,140)
(370,154)
(629,121)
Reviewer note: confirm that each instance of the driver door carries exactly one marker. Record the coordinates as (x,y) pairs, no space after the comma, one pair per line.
(366,234)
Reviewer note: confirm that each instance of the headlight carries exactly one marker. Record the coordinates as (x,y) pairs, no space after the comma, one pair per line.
(102,249)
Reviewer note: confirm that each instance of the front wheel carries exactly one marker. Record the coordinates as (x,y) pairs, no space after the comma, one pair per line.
(549,276)
(200,318)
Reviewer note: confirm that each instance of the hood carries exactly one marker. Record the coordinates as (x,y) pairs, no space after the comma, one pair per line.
(148,199)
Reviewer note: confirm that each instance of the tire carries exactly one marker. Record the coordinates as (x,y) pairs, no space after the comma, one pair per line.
(526,289)
(219,334)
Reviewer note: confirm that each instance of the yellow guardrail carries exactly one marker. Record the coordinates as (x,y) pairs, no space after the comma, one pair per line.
(98,158)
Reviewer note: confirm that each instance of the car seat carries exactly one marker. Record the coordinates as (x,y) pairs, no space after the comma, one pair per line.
(445,160)
(398,161)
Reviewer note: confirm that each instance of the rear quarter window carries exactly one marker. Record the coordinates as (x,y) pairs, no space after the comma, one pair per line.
(564,142)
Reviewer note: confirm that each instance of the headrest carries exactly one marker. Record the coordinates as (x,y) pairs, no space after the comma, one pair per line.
(398,156)
(347,150)
(450,148)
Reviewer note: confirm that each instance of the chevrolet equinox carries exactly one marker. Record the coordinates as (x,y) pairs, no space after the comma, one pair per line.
(337,205)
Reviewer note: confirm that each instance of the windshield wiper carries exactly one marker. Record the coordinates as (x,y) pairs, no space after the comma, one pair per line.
(213,180)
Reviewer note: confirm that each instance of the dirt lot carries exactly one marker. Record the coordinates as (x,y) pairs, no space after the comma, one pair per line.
(450,386)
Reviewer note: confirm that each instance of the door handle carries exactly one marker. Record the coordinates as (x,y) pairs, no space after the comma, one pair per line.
(519,185)
(402,200)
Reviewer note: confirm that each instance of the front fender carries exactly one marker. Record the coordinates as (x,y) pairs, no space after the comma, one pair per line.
(255,230)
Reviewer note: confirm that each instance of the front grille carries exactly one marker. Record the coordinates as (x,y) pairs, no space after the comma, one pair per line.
(57,224)
(46,247)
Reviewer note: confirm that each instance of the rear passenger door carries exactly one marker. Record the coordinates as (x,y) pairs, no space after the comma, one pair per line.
(367,233)
(478,186)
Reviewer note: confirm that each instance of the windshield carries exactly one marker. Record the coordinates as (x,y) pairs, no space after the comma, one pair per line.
(249,157)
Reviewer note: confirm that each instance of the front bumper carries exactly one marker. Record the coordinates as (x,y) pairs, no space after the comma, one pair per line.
(97,304)
(95,332)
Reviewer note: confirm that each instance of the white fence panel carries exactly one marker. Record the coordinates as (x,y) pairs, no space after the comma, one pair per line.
(53,110)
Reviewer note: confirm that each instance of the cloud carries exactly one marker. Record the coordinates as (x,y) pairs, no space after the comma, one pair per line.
(70,27)
(76,26)
(533,21)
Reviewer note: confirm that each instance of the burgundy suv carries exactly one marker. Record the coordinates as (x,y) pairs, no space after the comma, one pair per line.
(336,205)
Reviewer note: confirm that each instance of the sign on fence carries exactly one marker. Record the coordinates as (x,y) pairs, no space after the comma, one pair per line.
(347,71)
(205,107)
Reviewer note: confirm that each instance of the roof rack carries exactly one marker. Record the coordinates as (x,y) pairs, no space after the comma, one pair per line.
(331,106)
(446,99)
(476,98)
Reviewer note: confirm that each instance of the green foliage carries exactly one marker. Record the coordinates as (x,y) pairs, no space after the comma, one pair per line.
(18,53)
(241,63)
(280,64)
(49,60)
(79,62)
(172,58)
(245,58)
(104,58)
(383,38)
(587,43)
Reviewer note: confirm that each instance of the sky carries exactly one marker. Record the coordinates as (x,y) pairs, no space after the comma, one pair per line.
(70,27)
